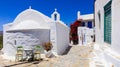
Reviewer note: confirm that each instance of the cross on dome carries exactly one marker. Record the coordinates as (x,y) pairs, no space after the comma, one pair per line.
(30,7)
(55,15)
(55,10)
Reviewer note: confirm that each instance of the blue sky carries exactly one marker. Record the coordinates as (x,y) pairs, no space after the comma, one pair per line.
(9,9)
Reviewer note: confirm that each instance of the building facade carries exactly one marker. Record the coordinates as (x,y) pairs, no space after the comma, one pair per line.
(86,30)
(107,28)
(31,28)
(87,20)
(82,30)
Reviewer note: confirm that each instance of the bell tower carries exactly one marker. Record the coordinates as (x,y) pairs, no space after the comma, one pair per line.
(78,15)
(55,16)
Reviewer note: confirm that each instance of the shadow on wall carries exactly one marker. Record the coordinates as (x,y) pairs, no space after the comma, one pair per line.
(67,50)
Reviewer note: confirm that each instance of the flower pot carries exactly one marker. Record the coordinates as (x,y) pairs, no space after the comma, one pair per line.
(48,53)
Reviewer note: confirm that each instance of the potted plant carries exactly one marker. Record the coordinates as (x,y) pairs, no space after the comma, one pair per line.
(47,49)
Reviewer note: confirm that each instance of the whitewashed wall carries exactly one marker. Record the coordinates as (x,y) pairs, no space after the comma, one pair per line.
(53,37)
(99,31)
(62,32)
(58,35)
(27,38)
(84,34)
(6,50)
(116,25)
(99,7)
(110,56)
(32,28)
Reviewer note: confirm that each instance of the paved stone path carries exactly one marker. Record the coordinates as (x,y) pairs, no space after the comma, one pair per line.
(78,56)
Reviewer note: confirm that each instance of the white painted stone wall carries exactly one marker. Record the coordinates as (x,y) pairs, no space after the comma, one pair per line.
(99,31)
(37,30)
(116,25)
(110,56)
(99,7)
(62,33)
(84,35)
(53,38)
(5,27)
(27,38)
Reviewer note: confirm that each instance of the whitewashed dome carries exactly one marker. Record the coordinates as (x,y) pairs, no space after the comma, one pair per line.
(31,19)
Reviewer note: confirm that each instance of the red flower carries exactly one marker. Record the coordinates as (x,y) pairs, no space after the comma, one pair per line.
(73,30)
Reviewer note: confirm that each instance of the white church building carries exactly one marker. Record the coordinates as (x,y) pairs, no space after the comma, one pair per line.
(107,24)
(31,28)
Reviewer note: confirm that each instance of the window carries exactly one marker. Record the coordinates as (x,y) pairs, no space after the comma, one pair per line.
(15,42)
(55,17)
(89,24)
(83,23)
(99,17)
(107,23)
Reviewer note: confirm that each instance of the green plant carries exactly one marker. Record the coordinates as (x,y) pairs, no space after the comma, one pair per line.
(38,46)
(1,42)
(20,47)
